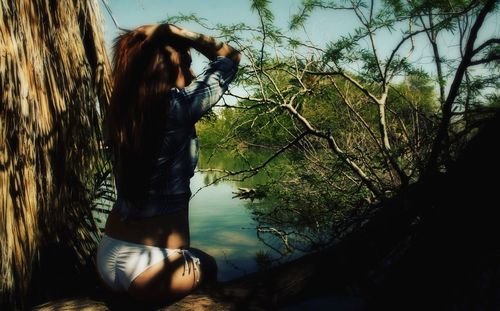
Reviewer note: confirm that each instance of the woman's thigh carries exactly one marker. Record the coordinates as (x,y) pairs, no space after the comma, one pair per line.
(171,278)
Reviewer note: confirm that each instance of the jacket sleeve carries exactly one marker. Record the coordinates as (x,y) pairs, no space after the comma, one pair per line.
(189,104)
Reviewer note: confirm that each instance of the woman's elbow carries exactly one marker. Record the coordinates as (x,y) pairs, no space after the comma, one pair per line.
(230,52)
(236,57)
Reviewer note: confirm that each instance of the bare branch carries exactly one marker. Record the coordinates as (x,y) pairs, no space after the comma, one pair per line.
(279,233)
(361,17)
(348,78)
(264,33)
(442,132)
(398,46)
(486,44)
(431,35)
(346,101)
(251,171)
(335,148)
(485,60)
(374,49)
(249,56)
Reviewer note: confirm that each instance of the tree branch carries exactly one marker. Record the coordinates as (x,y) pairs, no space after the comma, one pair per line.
(486,44)
(348,78)
(484,60)
(358,116)
(442,132)
(335,148)
(398,46)
(252,171)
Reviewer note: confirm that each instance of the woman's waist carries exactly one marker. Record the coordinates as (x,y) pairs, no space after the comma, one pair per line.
(153,204)
(171,231)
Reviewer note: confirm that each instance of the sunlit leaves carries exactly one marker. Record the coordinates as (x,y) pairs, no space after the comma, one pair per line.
(345,49)
(185,18)
(375,98)
(297,20)
(262,7)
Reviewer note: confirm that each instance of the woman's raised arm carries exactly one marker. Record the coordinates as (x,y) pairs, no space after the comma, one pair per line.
(206,45)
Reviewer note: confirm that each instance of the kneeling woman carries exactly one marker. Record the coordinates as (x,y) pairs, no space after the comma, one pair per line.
(156,102)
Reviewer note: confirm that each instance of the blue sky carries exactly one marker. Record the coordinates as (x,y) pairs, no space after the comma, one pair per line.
(132,13)
(322,27)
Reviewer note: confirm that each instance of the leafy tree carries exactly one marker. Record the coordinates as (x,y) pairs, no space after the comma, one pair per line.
(359,123)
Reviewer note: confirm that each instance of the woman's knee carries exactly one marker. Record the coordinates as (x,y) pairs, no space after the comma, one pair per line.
(208,265)
(172,278)
(167,280)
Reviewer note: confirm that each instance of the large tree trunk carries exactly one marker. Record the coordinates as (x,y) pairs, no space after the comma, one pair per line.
(53,72)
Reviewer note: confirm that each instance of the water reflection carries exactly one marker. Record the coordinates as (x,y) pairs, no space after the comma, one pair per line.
(222,225)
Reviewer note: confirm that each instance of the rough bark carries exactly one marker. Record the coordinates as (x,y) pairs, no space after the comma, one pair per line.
(53,70)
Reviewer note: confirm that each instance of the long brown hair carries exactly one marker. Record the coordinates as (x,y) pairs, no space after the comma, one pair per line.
(143,76)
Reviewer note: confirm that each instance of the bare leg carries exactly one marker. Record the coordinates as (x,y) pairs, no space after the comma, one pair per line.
(208,266)
(169,280)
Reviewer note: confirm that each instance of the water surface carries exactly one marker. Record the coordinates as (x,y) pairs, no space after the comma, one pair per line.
(223,227)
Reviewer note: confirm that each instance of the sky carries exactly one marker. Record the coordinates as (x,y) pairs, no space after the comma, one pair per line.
(133,13)
(322,27)
(130,14)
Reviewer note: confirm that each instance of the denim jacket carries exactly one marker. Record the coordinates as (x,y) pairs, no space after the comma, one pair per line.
(173,168)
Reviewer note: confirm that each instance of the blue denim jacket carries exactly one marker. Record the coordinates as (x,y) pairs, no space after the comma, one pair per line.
(173,168)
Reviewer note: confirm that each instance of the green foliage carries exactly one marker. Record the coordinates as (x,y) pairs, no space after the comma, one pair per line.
(101,189)
(297,20)
(262,7)
(366,118)
(342,50)
(310,187)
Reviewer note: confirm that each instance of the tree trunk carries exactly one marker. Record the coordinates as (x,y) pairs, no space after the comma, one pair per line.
(53,71)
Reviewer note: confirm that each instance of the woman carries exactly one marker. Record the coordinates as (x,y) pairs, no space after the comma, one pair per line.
(156,101)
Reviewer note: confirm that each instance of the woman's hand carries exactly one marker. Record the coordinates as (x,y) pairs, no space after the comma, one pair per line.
(171,34)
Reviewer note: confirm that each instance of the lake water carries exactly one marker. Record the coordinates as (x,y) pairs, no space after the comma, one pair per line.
(223,227)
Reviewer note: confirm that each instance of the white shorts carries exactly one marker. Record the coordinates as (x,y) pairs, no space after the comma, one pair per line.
(120,262)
